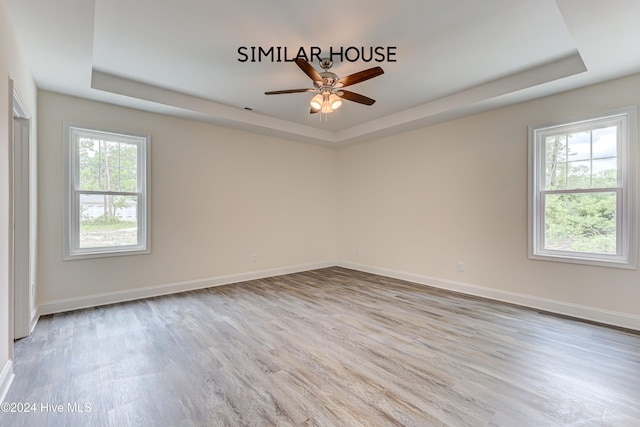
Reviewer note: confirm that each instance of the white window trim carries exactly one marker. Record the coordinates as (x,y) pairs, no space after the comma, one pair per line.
(627,256)
(70,220)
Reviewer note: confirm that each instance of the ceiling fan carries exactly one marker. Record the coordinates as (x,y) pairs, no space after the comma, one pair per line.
(328,87)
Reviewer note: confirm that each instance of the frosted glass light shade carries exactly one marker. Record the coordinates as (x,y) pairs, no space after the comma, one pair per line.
(316,102)
(335,101)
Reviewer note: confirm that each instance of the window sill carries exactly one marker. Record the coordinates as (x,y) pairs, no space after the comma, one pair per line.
(105,254)
(592,261)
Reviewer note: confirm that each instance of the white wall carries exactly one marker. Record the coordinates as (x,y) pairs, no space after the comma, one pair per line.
(415,204)
(217,197)
(12,66)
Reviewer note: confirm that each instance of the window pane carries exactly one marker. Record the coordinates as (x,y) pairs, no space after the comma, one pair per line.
(581,222)
(556,176)
(605,142)
(579,146)
(556,148)
(605,173)
(89,160)
(128,171)
(579,175)
(107,165)
(107,220)
(555,162)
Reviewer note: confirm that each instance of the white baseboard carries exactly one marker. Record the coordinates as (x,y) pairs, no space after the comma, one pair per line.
(70,304)
(594,314)
(6,378)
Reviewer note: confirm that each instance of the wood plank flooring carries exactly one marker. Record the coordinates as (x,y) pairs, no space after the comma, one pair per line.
(330,347)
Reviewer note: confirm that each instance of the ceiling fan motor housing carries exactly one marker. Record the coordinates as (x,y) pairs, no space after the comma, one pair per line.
(328,79)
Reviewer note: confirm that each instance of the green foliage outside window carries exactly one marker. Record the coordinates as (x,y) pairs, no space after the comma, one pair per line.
(581,221)
(111,167)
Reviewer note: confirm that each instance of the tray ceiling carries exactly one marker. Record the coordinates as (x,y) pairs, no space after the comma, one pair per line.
(451,57)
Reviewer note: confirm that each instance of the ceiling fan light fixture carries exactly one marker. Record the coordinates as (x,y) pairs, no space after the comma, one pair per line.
(335,101)
(316,102)
(328,87)
(326,104)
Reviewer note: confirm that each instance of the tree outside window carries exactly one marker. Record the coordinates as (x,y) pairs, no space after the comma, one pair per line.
(582,188)
(107,198)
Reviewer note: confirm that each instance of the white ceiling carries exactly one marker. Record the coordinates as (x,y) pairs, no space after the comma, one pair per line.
(453,57)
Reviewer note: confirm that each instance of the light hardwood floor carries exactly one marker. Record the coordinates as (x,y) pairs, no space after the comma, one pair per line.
(330,347)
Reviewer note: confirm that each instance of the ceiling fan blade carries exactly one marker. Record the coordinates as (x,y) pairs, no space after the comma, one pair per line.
(359,77)
(314,111)
(280,92)
(356,97)
(309,70)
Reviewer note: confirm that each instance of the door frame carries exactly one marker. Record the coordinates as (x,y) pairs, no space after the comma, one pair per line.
(21,281)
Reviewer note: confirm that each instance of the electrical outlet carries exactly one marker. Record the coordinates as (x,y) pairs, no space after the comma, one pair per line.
(460,266)
(358,253)
(254,257)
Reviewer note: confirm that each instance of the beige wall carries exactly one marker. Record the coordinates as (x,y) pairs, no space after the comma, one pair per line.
(217,197)
(12,66)
(421,201)
(414,203)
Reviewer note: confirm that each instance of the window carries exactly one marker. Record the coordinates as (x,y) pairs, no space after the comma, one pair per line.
(106,206)
(582,180)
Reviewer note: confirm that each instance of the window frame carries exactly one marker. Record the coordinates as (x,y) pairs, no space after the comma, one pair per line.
(71,193)
(626,199)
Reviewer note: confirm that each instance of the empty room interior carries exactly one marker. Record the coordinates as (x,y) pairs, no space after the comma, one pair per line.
(419,213)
